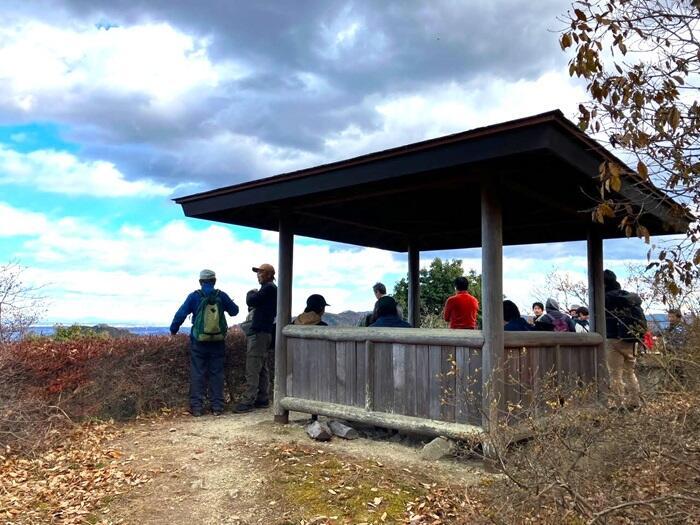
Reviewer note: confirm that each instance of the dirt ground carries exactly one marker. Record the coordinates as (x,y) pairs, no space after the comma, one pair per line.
(245,469)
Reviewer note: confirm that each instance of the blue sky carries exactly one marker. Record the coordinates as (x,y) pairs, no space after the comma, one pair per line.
(110,109)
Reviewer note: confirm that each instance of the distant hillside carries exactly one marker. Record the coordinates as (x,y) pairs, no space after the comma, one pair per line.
(347,318)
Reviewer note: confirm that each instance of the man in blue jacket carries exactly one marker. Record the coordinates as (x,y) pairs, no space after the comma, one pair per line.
(207,349)
(259,339)
(388,314)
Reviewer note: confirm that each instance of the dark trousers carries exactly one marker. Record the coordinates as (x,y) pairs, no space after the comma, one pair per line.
(207,367)
(257,376)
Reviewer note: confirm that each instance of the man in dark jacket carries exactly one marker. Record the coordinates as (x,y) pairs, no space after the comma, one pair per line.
(388,315)
(206,357)
(624,325)
(513,321)
(259,339)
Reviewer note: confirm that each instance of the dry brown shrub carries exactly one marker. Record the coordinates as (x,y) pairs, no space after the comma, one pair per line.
(46,385)
(583,463)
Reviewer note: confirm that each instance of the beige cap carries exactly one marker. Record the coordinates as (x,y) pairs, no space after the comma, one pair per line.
(267,268)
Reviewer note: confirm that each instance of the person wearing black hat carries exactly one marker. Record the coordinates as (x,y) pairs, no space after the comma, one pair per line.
(625,324)
(313,313)
(388,315)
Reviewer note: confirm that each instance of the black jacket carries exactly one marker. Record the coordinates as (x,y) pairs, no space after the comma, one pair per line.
(265,303)
(624,317)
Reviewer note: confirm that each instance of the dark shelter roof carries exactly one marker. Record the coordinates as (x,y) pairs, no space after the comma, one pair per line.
(428,193)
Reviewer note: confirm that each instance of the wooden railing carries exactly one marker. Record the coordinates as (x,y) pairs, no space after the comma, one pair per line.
(420,380)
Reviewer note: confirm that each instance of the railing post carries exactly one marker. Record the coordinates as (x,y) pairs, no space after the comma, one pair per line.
(492,302)
(414,285)
(284,312)
(596,302)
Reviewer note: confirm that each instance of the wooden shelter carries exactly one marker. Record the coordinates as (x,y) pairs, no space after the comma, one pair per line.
(524,181)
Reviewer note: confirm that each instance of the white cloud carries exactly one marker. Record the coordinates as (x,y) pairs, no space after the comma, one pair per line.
(15,222)
(135,275)
(154,60)
(452,107)
(62,172)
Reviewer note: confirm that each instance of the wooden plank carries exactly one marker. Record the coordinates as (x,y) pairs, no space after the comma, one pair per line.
(383,377)
(435,369)
(398,365)
(422,381)
(360,367)
(462,384)
(519,339)
(340,371)
(448,376)
(331,372)
(410,364)
(527,374)
(512,378)
(300,367)
(475,383)
(369,360)
(324,375)
(351,386)
(290,368)
(414,425)
(435,336)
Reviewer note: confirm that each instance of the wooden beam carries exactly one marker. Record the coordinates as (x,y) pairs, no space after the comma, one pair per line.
(492,302)
(415,336)
(596,301)
(414,285)
(415,425)
(284,312)
(346,222)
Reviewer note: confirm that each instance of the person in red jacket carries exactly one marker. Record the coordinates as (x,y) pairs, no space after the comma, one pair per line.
(462,307)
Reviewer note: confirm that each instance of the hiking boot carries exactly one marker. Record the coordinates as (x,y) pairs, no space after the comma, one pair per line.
(260,403)
(196,412)
(242,407)
(217,413)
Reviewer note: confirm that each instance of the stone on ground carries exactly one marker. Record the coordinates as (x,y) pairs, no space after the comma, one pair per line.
(319,431)
(437,449)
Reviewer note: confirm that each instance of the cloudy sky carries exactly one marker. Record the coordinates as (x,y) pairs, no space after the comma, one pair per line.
(109,109)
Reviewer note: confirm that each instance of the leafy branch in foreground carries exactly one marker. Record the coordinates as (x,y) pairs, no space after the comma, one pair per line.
(641,60)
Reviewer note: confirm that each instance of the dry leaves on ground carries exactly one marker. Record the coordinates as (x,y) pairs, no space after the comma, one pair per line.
(68,483)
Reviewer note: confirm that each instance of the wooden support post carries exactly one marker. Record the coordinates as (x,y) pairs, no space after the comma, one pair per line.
(492,303)
(596,302)
(284,312)
(414,286)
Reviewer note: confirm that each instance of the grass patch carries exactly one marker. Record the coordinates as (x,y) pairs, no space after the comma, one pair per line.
(314,483)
